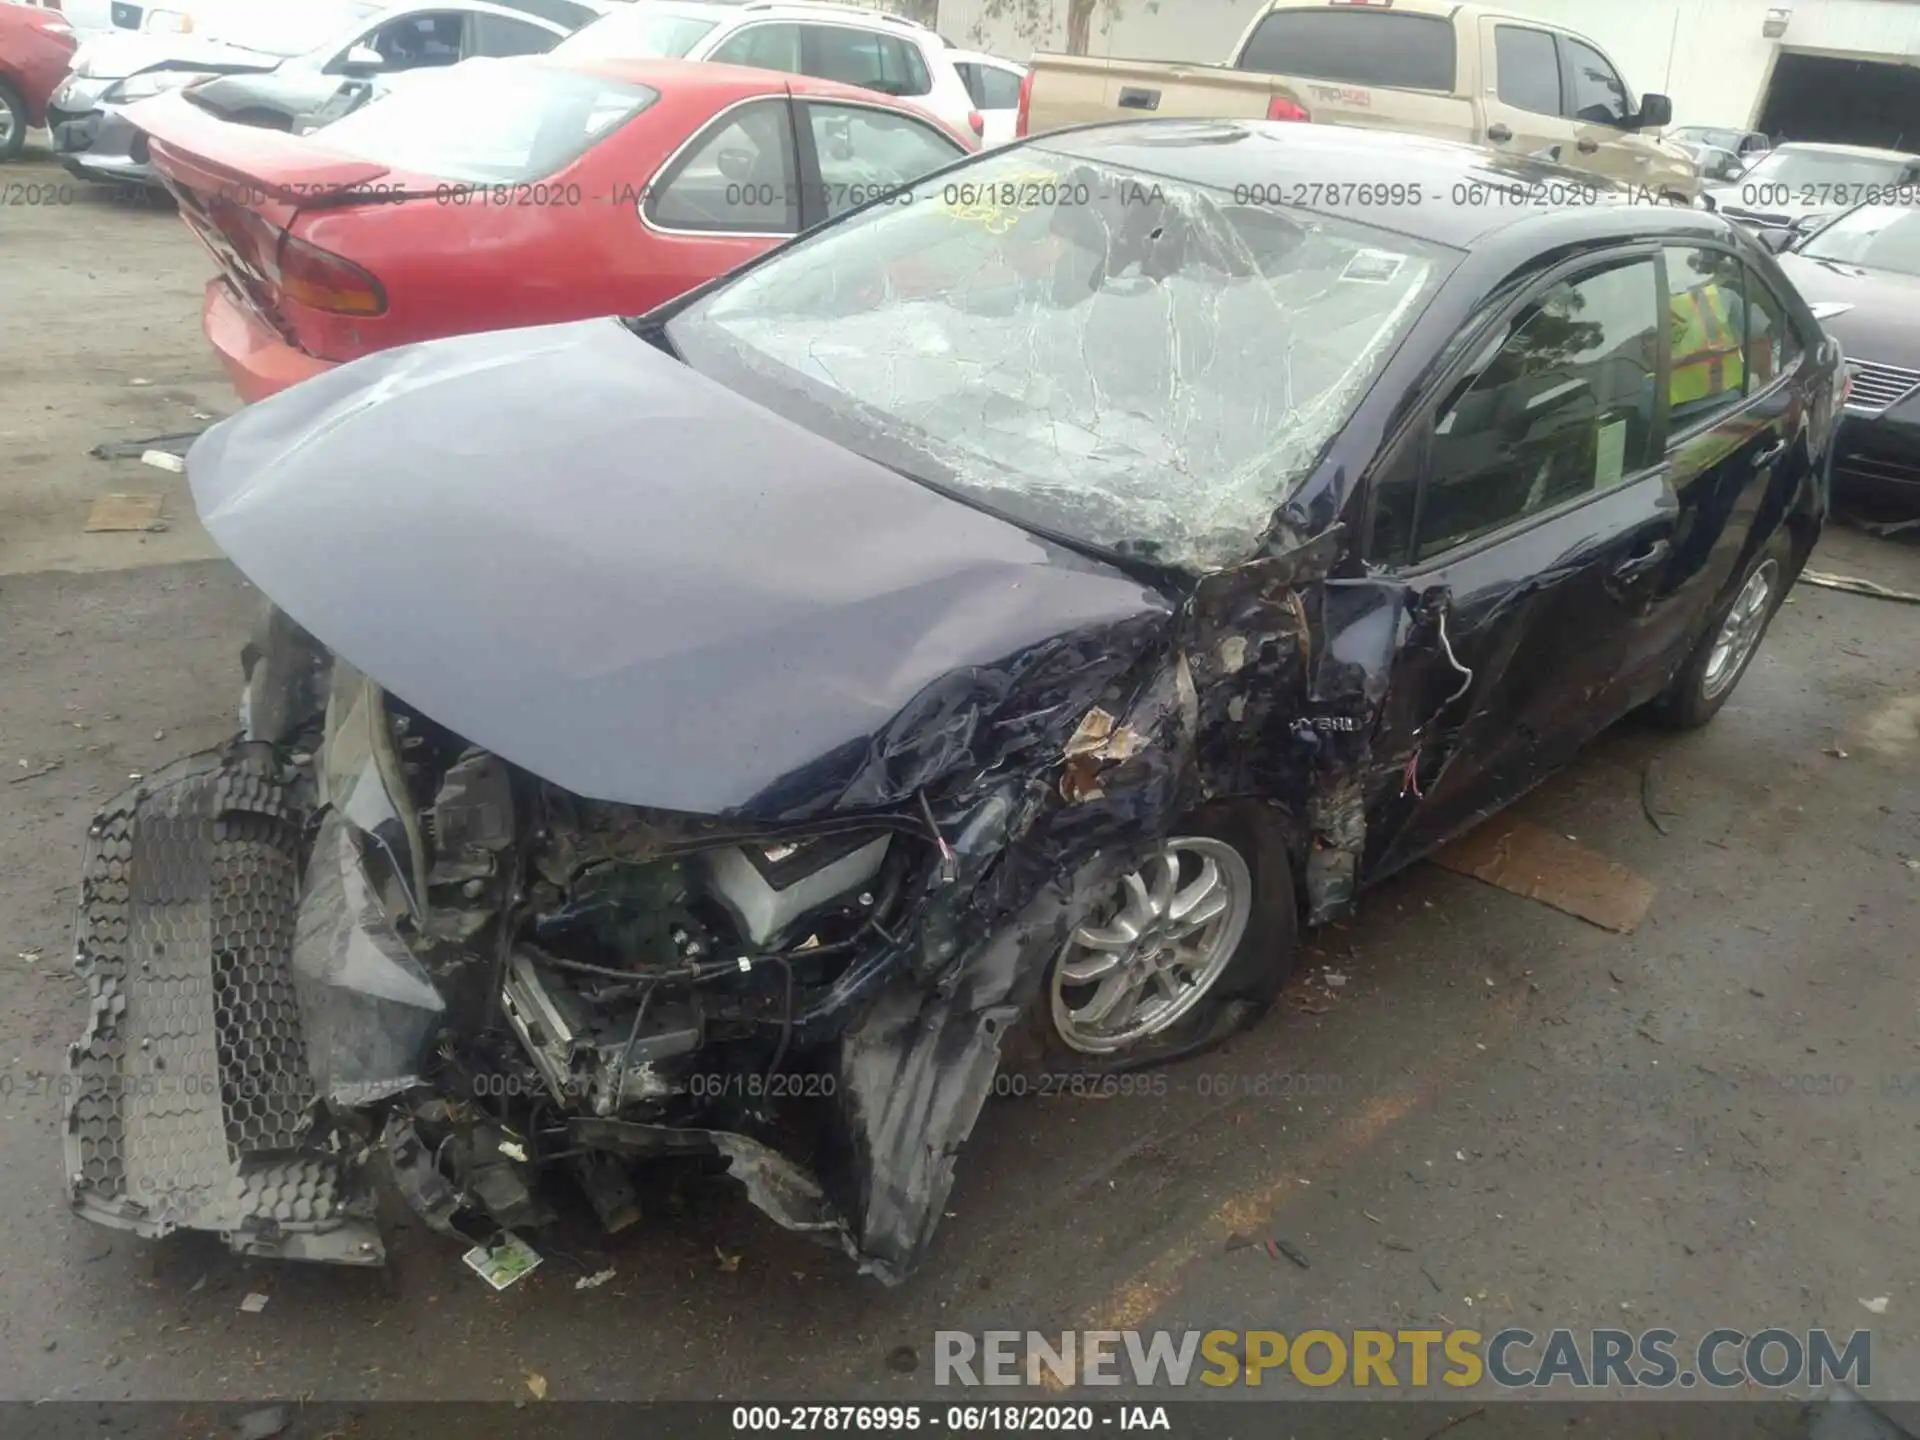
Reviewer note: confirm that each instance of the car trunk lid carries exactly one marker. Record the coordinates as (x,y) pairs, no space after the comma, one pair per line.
(243,191)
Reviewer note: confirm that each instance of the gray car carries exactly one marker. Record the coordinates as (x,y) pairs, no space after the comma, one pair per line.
(277,68)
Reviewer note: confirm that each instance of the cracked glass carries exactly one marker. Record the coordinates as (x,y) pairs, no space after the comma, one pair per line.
(1125,359)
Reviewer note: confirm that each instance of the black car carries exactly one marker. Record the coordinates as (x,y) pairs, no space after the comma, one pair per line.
(1860,274)
(975,641)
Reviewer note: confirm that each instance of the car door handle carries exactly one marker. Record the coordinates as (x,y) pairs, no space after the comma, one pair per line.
(1772,453)
(1642,563)
(1133,98)
(1498,132)
(1587,147)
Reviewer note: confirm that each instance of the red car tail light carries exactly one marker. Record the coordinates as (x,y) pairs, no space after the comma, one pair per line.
(1026,104)
(321,280)
(977,123)
(1280,108)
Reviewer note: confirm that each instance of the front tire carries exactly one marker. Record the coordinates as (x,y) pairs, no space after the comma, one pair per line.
(13,122)
(1186,951)
(1694,695)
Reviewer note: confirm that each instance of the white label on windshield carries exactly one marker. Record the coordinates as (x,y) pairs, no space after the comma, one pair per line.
(1373,267)
(1610,454)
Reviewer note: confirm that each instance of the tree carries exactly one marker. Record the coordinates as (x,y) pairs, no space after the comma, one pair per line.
(1034,22)
(1079,26)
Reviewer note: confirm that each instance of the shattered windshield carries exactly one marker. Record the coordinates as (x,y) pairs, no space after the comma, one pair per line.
(1130,360)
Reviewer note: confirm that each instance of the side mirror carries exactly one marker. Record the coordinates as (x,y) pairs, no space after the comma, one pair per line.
(736,165)
(363,60)
(1776,241)
(1655,111)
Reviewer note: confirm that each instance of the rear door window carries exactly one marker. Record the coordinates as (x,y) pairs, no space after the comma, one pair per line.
(1560,406)
(1705,317)
(738,177)
(1527,69)
(866,58)
(865,152)
(764,47)
(497,36)
(1355,47)
(998,89)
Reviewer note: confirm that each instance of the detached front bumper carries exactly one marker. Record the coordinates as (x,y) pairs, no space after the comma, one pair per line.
(191,1103)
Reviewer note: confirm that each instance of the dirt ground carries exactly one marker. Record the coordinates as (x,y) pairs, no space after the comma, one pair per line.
(1471,1110)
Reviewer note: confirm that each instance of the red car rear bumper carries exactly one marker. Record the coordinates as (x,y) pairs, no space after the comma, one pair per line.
(258,361)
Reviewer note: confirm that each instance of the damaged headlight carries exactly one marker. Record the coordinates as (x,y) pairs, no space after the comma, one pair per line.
(358,777)
(368,1003)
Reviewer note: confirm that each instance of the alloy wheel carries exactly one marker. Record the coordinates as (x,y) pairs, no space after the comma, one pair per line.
(1155,949)
(1739,631)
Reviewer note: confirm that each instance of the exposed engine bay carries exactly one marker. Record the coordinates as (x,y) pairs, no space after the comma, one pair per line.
(459,968)
(431,966)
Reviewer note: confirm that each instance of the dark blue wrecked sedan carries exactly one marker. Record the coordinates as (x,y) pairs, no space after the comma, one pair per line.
(983,635)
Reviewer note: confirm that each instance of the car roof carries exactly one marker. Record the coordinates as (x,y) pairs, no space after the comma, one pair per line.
(1441,190)
(786,9)
(1864,152)
(981,57)
(726,81)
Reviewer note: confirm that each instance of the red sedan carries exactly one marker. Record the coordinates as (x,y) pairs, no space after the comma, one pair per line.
(36,46)
(503,193)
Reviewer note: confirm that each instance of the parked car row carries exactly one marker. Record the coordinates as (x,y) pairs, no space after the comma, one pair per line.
(275,67)
(299,67)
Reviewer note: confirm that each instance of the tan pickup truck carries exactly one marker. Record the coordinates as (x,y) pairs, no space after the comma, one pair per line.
(1455,72)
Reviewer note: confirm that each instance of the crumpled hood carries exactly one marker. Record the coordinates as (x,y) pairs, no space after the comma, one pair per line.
(617,574)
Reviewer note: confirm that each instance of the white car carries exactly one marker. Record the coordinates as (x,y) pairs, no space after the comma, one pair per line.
(847,43)
(995,86)
(273,66)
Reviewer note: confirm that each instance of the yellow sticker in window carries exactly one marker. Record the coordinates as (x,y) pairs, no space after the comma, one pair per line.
(1610,454)
(998,204)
